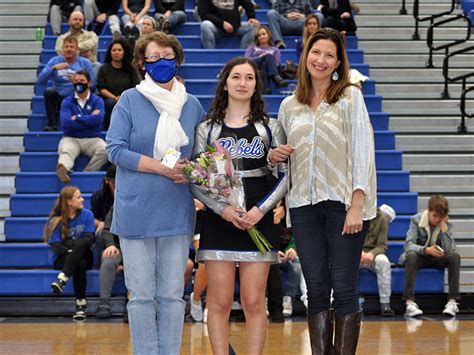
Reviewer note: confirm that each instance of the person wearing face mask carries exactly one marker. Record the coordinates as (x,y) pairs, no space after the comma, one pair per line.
(154,211)
(81,117)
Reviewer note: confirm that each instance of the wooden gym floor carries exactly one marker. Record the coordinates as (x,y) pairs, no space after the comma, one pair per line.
(426,335)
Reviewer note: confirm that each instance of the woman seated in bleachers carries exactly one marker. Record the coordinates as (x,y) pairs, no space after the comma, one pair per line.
(169,13)
(148,25)
(337,15)
(69,231)
(311,26)
(133,13)
(116,75)
(267,57)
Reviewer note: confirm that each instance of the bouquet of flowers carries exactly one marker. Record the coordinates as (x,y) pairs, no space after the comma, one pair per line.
(214,175)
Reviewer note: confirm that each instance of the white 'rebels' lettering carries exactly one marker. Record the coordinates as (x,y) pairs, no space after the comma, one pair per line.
(243,149)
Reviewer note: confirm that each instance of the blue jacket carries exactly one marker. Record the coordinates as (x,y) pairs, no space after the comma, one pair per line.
(85,125)
(60,78)
(148,205)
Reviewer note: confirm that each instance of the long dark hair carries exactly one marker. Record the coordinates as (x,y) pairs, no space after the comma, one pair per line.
(216,112)
(127,53)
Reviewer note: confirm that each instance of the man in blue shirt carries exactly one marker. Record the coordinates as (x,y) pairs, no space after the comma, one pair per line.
(81,117)
(60,70)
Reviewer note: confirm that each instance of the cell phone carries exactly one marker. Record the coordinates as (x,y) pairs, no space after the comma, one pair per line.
(439,248)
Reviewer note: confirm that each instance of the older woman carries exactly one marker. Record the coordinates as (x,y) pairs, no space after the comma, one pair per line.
(154,210)
(332,194)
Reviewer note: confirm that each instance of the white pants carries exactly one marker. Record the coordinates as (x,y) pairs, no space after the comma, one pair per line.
(70,148)
(381,266)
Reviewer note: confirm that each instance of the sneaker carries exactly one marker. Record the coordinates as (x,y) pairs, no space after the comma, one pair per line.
(80,313)
(125,315)
(413,310)
(159,24)
(204,315)
(116,35)
(277,317)
(58,286)
(166,26)
(451,309)
(62,174)
(280,44)
(287,306)
(196,309)
(304,299)
(103,311)
(386,310)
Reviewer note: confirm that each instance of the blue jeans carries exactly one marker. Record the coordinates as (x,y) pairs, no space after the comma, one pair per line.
(154,275)
(280,24)
(210,32)
(268,68)
(176,18)
(329,259)
(293,276)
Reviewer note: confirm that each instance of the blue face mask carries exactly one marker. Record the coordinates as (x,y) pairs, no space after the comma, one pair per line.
(162,70)
(80,88)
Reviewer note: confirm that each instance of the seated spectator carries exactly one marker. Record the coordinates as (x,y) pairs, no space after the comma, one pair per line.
(169,14)
(287,18)
(337,15)
(100,11)
(222,18)
(60,10)
(148,25)
(69,231)
(102,200)
(88,41)
(60,70)
(430,243)
(267,57)
(375,259)
(133,12)
(81,117)
(116,75)
(311,25)
(111,264)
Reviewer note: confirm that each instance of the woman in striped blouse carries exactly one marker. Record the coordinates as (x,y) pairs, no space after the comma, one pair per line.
(332,192)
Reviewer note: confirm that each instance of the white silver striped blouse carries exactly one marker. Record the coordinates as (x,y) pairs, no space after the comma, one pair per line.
(334,153)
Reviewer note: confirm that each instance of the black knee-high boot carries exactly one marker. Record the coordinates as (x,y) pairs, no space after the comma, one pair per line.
(320,332)
(347,333)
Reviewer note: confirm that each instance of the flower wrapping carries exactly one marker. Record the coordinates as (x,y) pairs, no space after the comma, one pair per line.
(214,174)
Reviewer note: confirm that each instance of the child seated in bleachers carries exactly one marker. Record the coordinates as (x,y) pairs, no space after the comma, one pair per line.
(267,57)
(429,243)
(69,231)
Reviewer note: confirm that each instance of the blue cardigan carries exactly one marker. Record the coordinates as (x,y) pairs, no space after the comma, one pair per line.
(148,205)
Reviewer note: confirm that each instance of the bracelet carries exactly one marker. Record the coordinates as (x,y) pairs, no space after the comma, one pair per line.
(270,164)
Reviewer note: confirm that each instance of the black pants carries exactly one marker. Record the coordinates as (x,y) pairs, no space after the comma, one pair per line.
(415,261)
(75,264)
(52,102)
(330,260)
(109,106)
(339,24)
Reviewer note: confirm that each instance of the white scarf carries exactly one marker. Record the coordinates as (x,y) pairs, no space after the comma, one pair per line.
(169,132)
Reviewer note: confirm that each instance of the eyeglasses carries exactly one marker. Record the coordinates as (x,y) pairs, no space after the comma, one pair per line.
(157,56)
